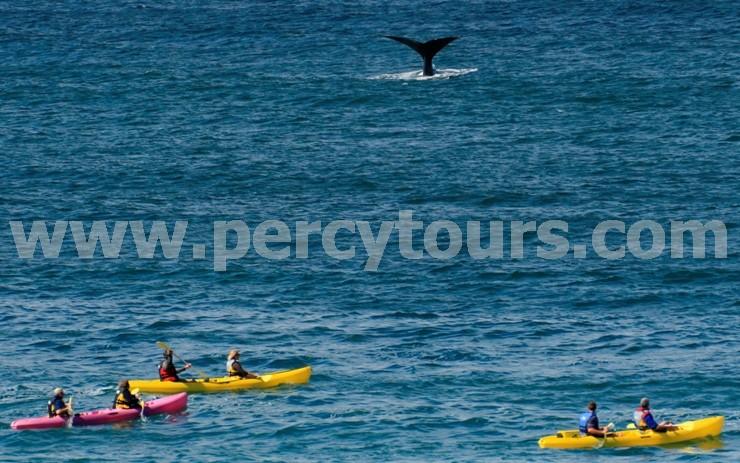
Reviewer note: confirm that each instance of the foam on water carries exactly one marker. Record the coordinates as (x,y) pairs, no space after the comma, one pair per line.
(440,74)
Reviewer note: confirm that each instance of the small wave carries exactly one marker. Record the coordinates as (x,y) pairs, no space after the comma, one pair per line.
(440,74)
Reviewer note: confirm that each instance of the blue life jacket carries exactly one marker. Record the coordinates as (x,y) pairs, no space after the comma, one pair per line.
(56,403)
(583,422)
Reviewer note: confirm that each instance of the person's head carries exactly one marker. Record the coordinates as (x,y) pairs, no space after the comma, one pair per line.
(592,406)
(645,402)
(233,354)
(123,385)
(58,392)
(167,353)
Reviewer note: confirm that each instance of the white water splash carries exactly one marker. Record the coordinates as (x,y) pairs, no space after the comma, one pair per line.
(418,75)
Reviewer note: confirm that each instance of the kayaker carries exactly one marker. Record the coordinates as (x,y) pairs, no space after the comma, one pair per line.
(589,423)
(234,368)
(644,419)
(167,369)
(57,406)
(124,398)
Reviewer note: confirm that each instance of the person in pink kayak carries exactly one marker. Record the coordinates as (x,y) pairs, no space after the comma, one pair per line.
(125,399)
(57,406)
(234,368)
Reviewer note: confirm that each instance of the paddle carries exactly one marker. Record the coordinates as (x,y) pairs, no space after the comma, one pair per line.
(134,392)
(602,441)
(70,419)
(164,346)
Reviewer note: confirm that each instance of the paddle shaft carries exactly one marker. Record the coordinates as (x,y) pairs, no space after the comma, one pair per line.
(178,357)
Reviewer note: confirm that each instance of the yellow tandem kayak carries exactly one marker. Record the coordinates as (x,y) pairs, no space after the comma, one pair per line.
(221,384)
(687,431)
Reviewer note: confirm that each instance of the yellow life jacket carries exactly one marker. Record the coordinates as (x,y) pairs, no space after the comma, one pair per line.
(125,401)
(232,369)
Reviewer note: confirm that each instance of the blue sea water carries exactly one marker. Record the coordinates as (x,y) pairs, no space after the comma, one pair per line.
(226,110)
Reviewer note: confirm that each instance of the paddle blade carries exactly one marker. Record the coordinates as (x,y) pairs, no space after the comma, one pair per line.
(71,419)
(163,345)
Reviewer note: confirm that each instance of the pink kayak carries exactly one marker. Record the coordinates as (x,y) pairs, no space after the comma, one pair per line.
(170,404)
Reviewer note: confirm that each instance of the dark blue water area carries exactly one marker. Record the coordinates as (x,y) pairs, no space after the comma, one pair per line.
(581,112)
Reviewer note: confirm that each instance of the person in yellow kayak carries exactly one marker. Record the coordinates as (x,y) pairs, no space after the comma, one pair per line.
(589,423)
(167,369)
(644,419)
(57,406)
(234,368)
(124,398)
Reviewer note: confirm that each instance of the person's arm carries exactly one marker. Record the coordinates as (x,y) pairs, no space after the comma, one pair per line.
(187,365)
(63,410)
(137,402)
(244,373)
(593,429)
(650,421)
(664,426)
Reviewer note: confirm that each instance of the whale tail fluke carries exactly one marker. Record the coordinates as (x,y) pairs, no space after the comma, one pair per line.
(427,50)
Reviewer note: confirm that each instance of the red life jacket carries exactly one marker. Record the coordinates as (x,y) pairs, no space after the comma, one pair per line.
(169,373)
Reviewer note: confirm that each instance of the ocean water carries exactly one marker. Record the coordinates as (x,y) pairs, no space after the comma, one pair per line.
(204,111)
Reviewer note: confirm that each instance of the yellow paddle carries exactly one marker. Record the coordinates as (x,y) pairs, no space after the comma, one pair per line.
(164,346)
